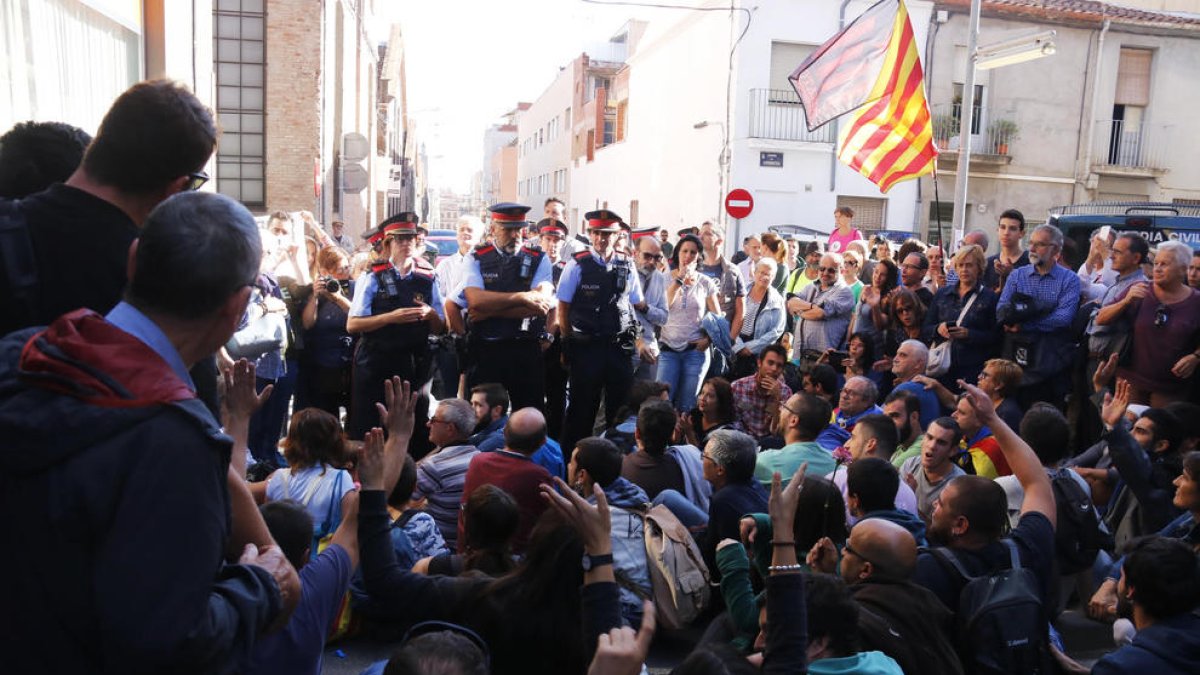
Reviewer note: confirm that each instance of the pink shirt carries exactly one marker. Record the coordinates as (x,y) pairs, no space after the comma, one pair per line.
(837,241)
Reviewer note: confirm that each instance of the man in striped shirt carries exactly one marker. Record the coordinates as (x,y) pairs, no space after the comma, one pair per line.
(441,473)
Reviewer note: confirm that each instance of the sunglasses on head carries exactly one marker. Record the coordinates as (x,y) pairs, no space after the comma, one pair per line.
(195,181)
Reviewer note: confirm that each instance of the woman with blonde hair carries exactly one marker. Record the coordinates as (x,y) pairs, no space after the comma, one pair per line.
(964,314)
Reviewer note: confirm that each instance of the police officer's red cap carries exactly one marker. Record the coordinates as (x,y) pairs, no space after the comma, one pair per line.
(551,226)
(508,214)
(643,232)
(373,236)
(402,223)
(603,221)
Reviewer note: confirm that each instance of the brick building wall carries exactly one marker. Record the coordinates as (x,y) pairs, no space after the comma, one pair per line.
(293,110)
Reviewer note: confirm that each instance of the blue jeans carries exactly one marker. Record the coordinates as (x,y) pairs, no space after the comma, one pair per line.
(682,372)
(688,513)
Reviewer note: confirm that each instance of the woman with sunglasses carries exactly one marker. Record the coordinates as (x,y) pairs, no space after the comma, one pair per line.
(683,346)
(1165,351)
(851,265)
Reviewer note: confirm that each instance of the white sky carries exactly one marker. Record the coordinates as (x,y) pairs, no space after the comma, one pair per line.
(471,61)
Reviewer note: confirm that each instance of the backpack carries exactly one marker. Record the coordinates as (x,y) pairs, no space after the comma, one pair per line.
(1001,626)
(679,578)
(1078,537)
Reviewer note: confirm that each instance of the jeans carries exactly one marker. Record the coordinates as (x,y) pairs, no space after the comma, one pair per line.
(688,513)
(682,372)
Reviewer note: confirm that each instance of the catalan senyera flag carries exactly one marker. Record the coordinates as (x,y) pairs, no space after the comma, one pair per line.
(871,73)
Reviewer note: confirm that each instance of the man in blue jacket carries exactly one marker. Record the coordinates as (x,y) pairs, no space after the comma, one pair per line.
(114,476)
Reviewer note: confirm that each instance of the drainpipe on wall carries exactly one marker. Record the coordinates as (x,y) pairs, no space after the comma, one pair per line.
(1091,128)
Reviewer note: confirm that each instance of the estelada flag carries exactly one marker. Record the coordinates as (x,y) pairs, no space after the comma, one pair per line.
(871,71)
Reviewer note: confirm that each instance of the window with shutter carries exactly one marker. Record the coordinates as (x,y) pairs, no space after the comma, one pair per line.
(1133,77)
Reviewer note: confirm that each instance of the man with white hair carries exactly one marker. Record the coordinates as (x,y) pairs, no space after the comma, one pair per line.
(450,273)
(822,311)
(441,473)
(911,360)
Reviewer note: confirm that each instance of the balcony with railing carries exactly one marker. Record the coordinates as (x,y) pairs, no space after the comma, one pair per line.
(776,114)
(1126,148)
(992,134)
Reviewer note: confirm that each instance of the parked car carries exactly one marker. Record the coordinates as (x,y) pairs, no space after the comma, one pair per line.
(446,242)
(1156,222)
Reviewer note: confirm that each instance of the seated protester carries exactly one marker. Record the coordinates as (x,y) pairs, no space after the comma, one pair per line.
(756,397)
(1077,542)
(856,400)
(1146,465)
(822,380)
(834,638)
(1160,591)
(548,601)
(979,453)
(490,402)
(897,617)
(445,648)
(872,490)
(300,646)
(912,357)
(413,530)
(729,466)
(513,470)
(492,518)
(1186,528)
(819,515)
(873,436)
(800,421)
(622,433)
(931,471)
(314,448)
(968,524)
(441,473)
(904,409)
(671,475)
(596,461)
(713,411)
(1035,310)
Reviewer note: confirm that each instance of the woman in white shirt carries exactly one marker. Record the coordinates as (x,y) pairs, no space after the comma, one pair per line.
(684,346)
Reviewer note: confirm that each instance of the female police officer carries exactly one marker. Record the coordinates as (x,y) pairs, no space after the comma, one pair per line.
(395,309)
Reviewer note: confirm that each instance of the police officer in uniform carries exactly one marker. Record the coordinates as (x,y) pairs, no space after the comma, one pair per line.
(596,295)
(551,233)
(394,311)
(506,290)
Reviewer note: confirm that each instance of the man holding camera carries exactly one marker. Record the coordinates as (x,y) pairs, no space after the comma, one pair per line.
(1035,310)
(395,309)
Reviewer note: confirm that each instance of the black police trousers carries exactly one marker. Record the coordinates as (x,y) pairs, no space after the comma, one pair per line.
(595,366)
(517,365)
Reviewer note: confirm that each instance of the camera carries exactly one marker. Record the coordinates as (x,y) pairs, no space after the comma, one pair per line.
(331,285)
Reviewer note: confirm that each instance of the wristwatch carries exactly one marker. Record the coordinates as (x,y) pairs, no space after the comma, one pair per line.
(591,562)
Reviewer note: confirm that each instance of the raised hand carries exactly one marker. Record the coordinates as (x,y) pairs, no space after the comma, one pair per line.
(622,652)
(592,522)
(241,398)
(1115,405)
(823,556)
(396,413)
(371,461)
(782,504)
(981,402)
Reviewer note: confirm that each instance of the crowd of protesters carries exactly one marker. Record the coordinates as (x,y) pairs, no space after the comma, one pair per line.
(230,441)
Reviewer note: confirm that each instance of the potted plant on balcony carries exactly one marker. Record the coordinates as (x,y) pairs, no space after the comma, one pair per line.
(1002,132)
(944,126)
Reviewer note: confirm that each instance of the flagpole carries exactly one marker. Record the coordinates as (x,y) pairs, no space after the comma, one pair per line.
(966,117)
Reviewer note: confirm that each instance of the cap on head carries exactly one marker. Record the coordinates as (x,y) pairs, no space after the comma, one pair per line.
(603,221)
(374,235)
(689,230)
(402,223)
(642,233)
(508,214)
(551,227)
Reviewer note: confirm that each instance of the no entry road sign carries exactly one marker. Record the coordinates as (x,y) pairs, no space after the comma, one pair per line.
(738,203)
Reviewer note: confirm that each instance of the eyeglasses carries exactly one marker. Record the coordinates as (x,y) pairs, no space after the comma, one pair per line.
(1161,314)
(851,392)
(1040,244)
(910,266)
(656,257)
(195,181)
(831,270)
(847,549)
(434,420)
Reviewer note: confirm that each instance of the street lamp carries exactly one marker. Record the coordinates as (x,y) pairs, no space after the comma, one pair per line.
(722,163)
(1008,52)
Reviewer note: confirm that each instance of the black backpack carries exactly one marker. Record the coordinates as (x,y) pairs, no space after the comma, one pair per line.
(1002,627)
(1079,536)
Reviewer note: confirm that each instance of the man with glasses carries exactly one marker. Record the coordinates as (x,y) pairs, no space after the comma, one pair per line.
(652,311)
(855,401)
(801,419)
(1128,253)
(1035,309)
(441,473)
(912,275)
(822,312)
(153,142)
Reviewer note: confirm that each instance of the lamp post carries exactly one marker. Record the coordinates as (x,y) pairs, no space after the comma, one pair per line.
(997,55)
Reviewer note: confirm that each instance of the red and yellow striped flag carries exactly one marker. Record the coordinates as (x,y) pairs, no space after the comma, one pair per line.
(871,70)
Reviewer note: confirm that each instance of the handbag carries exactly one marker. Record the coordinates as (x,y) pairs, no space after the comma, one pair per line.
(264,335)
(940,356)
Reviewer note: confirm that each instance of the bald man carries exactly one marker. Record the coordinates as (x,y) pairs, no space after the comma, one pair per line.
(513,470)
(899,618)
